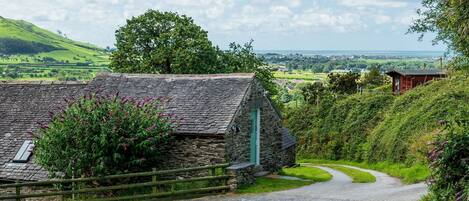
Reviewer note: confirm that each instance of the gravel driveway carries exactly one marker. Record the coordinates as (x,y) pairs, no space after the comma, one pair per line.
(340,188)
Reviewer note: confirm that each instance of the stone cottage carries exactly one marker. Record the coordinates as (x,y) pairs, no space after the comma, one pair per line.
(222,118)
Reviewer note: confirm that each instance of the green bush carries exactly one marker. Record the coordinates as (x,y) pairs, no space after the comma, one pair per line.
(97,135)
(450,162)
(337,129)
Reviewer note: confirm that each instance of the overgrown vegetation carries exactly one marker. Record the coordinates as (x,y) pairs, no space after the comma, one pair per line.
(101,135)
(449,160)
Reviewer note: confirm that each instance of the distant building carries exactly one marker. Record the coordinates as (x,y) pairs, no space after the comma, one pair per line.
(403,80)
(341,71)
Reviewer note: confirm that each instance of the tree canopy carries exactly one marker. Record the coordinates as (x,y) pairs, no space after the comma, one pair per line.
(449,19)
(163,42)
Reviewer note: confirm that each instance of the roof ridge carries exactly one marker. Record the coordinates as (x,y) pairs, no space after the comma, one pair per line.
(41,82)
(181,76)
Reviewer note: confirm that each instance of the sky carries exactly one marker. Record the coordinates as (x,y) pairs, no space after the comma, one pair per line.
(272,24)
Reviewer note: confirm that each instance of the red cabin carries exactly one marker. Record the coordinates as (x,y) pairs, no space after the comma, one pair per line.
(403,80)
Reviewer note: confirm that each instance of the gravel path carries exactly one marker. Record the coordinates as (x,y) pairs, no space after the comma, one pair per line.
(340,188)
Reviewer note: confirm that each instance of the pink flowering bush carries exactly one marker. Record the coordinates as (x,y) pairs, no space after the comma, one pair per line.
(449,162)
(98,135)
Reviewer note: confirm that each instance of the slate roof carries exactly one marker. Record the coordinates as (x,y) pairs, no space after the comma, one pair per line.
(206,104)
(288,140)
(22,105)
(418,72)
(202,104)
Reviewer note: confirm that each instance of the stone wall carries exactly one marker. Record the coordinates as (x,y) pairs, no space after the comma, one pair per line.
(289,156)
(240,174)
(192,151)
(238,137)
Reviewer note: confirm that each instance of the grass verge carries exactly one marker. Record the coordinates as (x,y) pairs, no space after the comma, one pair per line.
(310,173)
(356,175)
(264,185)
(408,175)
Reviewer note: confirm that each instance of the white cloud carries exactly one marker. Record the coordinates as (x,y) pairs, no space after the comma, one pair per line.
(382,19)
(376,3)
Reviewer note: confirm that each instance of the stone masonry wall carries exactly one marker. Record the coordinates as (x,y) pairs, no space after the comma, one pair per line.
(238,137)
(289,156)
(192,151)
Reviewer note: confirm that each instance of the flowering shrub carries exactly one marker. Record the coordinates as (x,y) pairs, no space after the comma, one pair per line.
(449,162)
(96,135)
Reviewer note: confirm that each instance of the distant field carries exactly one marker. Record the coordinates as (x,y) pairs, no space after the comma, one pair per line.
(50,72)
(301,75)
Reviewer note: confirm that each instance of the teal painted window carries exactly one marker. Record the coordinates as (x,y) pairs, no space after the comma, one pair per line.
(254,144)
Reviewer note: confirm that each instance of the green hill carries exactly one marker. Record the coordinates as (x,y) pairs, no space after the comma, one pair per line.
(23,42)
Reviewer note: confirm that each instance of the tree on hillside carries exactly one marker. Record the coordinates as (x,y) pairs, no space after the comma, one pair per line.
(450,20)
(163,42)
(374,78)
(343,83)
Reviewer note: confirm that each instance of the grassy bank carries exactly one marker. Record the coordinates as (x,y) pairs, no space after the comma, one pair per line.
(407,174)
(309,173)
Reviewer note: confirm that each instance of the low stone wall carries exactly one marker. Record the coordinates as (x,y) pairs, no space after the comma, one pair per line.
(240,174)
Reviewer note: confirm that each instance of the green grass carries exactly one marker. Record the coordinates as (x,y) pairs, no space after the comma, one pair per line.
(264,185)
(310,173)
(356,175)
(71,51)
(301,75)
(407,174)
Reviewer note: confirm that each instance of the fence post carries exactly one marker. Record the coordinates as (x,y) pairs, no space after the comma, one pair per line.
(18,191)
(153,179)
(73,187)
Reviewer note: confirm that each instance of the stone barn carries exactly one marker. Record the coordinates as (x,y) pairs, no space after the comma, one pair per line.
(403,80)
(221,118)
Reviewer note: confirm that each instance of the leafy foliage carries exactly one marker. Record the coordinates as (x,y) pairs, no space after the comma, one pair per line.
(343,83)
(414,115)
(450,161)
(337,128)
(374,78)
(163,42)
(98,135)
(449,19)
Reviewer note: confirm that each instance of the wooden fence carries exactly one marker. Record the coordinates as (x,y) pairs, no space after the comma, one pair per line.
(78,187)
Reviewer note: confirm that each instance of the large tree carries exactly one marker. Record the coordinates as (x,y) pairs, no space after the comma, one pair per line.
(163,42)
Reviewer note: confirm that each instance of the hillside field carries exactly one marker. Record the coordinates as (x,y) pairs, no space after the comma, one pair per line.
(23,42)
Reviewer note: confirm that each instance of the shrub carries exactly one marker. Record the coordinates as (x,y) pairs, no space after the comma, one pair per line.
(450,162)
(96,135)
